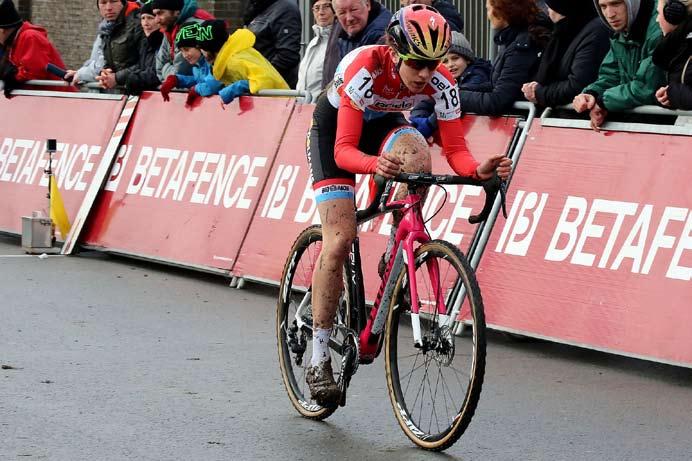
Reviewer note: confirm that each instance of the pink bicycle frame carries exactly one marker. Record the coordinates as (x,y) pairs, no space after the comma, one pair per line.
(411,230)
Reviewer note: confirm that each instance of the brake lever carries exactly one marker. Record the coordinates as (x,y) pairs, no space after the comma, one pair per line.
(503,197)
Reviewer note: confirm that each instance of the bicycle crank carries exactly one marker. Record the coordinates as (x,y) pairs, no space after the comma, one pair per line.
(349,363)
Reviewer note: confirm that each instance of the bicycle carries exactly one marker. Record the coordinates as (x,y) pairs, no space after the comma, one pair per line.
(416,337)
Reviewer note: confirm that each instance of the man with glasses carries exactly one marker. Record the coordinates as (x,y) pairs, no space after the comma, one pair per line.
(358,128)
(359,23)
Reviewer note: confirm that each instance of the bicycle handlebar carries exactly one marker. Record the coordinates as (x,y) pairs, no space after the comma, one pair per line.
(491,187)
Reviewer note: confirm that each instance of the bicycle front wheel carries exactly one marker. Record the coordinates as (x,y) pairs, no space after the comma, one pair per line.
(434,386)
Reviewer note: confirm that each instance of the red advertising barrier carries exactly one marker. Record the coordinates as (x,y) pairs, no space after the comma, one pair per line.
(596,250)
(288,205)
(82,128)
(186,181)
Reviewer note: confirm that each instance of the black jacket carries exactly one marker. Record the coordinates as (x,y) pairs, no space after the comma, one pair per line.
(674,54)
(142,77)
(121,47)
(450,13)
(278,29)
(578,66)
(515,64)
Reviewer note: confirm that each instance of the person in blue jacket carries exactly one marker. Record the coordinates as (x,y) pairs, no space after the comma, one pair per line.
(201,83)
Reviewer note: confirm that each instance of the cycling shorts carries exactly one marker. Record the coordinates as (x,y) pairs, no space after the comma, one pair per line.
(326,175)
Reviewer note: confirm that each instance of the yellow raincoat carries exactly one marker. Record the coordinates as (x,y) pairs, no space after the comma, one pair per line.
(238,60)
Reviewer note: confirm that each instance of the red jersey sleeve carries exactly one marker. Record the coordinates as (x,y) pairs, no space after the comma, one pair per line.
(356,92)
(448,110)
(455,149)
(346,153)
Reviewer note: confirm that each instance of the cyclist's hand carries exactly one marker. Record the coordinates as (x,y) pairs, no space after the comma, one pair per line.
(388,165)
(499,163)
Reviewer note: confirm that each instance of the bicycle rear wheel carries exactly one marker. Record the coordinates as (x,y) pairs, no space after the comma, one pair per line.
(295,308)
(434,388)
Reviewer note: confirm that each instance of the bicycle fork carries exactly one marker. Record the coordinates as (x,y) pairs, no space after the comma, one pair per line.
(370,335)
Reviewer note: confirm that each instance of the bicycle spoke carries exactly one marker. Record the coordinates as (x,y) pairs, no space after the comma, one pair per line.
(410,374)
(435,379)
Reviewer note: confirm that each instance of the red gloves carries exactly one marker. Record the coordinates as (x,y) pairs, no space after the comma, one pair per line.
(168,85)
(193,98)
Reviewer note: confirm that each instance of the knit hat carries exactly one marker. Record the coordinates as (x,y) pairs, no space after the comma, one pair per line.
(188,35)
(9,18)
(147,8)
(461,46)
(212,35)
(173,5)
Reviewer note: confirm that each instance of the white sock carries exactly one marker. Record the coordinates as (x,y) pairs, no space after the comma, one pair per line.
(320,345)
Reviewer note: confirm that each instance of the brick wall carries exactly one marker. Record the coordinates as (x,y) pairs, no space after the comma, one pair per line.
(24,8)
(72,25)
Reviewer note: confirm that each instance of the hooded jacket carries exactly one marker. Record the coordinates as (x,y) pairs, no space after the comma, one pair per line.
(30,52)
(238,60)
(169,59)
(340,44)
(674,54)
(310,71)
(121,48)
(628,77)
(277,29)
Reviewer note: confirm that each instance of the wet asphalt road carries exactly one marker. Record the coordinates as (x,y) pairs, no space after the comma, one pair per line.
(118,359)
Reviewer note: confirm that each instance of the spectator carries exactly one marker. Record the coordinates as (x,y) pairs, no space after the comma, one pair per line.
(111,21)
(627,77)
(674,53)
(236,63)
(121,47)
(171,14)
(310,71)
(470,72)
(520,37)
(446,9)
(571,59)
(359,23)
(24,50)
(143,77)
(201,82)
(277,27)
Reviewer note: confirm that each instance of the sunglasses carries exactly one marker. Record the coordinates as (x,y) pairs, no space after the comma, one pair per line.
(420,64)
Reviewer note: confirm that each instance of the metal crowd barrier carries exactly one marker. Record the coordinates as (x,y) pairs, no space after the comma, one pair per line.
(652,128)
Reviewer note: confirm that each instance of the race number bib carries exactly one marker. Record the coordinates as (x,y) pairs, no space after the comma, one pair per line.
(446,96)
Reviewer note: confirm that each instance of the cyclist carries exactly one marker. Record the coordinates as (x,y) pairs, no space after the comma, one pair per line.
(358,127)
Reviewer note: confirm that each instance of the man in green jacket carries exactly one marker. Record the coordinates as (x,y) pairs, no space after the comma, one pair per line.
(627,77)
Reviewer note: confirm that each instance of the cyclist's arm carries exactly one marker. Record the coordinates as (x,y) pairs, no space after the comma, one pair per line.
(455,149)
(349,127)
(448,112)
